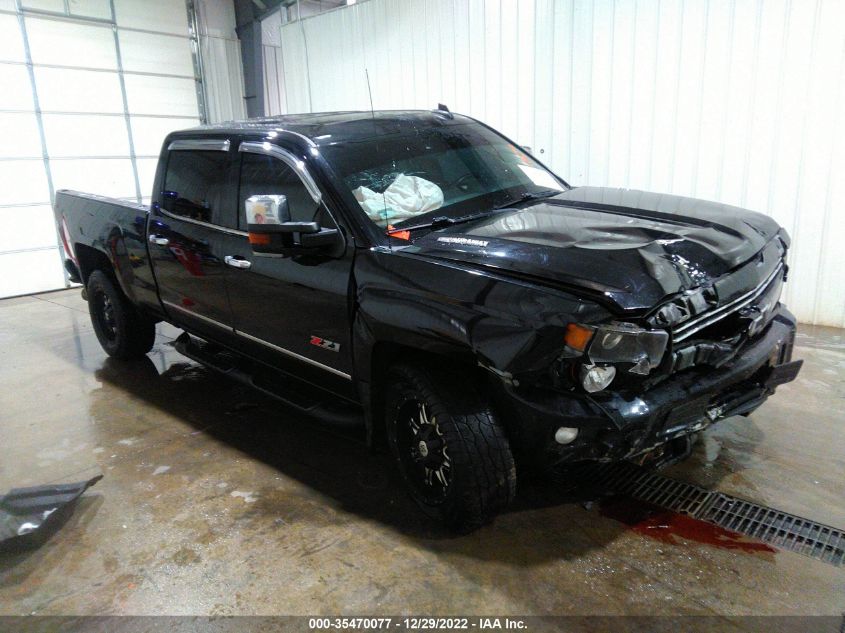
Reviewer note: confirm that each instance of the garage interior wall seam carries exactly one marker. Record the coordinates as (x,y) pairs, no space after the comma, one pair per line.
(739,102)
(41,137)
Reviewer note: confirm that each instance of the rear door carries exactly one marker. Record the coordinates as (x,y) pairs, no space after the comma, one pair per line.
(190,228)
(291,310)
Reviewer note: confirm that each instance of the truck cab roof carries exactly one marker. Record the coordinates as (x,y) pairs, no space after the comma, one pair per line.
(329,128)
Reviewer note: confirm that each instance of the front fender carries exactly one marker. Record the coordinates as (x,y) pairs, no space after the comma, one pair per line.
(508,326)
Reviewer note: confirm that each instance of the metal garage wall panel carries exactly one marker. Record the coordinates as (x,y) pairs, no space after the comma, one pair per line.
(816,210)
(17,92)
(19,131)
(65,90)
(11,42)
(296,73)
(223,78)
(741,102)
(103,112)
(27,228)
(165,16)
(44,5)
(91,8)
(274,93)
(64,43)
(23,182)
(149,133)
(830,280)
(146,174)
(108,177)
(161,95)
(30,271)
(72,135)
(221,56)
(149,53)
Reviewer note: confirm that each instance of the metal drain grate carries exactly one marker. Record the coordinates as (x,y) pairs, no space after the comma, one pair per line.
(678,496)
(780,529)
(777,528)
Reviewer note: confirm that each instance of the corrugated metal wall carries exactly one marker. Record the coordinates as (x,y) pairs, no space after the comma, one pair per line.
(223,74)
(739,101)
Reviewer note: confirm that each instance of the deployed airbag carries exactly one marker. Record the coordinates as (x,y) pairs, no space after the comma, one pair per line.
(406,197)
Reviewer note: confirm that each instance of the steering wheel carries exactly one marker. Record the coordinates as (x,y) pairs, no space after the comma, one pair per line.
(462,183)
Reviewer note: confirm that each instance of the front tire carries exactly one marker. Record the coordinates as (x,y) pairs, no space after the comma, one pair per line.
(122,330)
(453,454)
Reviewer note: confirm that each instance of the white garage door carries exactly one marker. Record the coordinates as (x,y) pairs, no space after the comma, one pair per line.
(88,89)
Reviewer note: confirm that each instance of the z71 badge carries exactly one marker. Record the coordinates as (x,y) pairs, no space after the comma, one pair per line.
(325,344)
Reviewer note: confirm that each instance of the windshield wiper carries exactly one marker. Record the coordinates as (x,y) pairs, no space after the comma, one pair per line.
(528,196)
(439,222)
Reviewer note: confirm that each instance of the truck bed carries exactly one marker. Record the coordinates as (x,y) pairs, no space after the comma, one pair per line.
(96,227)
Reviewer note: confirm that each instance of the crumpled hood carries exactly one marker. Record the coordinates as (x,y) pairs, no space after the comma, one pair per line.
(635,248)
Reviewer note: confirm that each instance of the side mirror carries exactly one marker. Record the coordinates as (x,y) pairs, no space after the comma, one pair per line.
(271,231)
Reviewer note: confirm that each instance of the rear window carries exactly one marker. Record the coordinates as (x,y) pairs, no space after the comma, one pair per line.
(195,184)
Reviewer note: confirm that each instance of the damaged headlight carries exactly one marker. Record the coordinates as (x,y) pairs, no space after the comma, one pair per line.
(619,343)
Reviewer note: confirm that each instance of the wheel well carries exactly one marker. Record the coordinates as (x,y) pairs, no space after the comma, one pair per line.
(90,259)
(386,355)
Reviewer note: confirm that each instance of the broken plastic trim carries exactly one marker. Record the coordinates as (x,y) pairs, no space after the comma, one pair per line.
(27,511)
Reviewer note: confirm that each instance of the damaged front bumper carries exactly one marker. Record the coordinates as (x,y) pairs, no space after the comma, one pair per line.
(616,426)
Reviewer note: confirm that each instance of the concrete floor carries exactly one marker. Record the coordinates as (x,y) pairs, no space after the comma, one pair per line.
(216,500)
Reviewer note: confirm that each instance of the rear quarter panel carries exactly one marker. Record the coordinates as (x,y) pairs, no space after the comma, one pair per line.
(117,230)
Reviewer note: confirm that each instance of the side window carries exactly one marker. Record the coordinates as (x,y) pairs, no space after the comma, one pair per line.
(263,175)
(195,184)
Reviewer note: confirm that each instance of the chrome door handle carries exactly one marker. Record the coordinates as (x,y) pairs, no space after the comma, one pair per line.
(158,240)
(236,262)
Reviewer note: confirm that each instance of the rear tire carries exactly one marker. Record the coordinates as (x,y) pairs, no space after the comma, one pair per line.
(452,452)
(122,330)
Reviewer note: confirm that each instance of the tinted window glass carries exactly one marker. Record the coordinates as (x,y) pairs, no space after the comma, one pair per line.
(262,175)
(195,184)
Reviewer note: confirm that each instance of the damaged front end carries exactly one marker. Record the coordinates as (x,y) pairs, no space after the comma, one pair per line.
(643,391)
(630,424)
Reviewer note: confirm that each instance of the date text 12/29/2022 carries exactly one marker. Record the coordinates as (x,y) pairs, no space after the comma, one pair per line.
(415,623)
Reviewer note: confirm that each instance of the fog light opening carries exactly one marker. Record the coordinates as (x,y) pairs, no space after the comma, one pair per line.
(565,435)
(595,378)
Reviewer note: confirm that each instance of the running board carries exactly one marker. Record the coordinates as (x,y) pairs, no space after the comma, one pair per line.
(295,393)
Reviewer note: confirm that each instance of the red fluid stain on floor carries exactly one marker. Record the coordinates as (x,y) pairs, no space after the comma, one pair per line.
(667,526)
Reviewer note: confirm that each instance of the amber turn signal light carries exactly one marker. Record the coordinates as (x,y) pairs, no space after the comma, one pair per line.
(578,337)
(260,239)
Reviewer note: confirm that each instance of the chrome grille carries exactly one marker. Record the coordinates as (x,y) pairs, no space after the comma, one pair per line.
(707,319)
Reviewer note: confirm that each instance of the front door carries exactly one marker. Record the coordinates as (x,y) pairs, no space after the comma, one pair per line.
(188,235)
(292,309)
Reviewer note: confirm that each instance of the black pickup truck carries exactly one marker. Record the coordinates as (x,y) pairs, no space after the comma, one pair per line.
(420,273)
